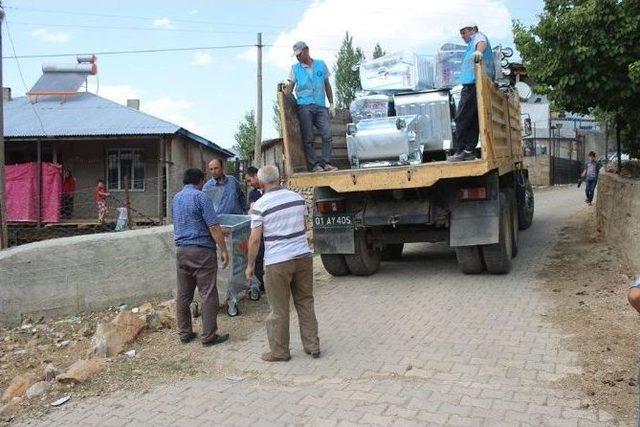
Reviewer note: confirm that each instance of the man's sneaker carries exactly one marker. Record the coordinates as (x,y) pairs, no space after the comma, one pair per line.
(317,168)
(330,168)
(187,338)
(217,339)
(462,156)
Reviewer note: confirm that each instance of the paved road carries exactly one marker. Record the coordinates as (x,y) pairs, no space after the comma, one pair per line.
(418,343)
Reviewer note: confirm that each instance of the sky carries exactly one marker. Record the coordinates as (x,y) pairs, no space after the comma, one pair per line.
(211,83)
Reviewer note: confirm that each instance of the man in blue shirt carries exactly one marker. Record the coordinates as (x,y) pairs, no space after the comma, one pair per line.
(310,80)
(224,190)
(196,233)
(251,178)
(466,120)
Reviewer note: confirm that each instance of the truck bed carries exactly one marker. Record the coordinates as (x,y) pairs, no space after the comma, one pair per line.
(500,137)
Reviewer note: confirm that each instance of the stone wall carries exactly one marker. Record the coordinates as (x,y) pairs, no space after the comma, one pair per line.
(539,169)
(69,275)
(617,213)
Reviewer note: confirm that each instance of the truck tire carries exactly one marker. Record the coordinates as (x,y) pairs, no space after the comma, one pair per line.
(524,197)
(515,220)
(335,264)
(497,257)
(469,259)
(392,252)
(367,260)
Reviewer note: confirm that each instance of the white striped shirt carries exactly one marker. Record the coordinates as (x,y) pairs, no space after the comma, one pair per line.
(281,213)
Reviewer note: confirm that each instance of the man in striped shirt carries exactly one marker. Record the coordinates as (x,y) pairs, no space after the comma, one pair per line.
(279,216)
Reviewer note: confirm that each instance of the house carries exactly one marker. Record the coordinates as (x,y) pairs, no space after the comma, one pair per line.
(93,138)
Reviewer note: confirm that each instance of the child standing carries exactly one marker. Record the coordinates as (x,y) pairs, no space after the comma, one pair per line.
(101,200)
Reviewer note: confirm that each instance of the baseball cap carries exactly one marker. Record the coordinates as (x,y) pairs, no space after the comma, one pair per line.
(467,24)
(299,47)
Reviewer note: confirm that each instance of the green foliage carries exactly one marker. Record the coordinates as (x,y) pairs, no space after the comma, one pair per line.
(277,122)
(347,81)
(584,55)
(378,52)
(246,136)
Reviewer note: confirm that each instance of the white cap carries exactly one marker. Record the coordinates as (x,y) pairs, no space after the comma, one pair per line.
(467,24)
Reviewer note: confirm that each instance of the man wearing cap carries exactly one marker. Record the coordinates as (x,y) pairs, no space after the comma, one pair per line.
(310,79)
(467,128)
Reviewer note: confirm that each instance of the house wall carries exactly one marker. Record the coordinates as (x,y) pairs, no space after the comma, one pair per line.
(539,169)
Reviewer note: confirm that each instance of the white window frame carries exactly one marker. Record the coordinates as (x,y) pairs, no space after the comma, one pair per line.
(110,151)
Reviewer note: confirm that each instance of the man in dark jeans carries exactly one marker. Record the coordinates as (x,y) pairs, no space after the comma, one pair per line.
(310,80)
(590,175)
(466,120)
(197,231)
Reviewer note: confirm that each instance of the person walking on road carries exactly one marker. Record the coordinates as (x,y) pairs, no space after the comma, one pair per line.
(197,232)
(251,178)
(310,80)
(590,175)
(280,216)
(225,189)
(466,120)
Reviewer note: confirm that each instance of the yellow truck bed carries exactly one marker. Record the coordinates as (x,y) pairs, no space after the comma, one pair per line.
(500,137)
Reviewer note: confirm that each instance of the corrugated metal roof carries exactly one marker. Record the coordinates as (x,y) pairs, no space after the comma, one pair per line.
(85,114)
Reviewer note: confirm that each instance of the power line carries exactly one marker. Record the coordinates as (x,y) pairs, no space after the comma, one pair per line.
(125,52)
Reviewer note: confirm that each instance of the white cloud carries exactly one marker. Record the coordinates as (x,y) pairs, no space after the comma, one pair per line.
(411,24)
(201,58)
(164,23)
(47,36)
(174,110)
(116,93)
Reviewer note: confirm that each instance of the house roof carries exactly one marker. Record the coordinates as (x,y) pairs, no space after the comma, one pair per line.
(86,114)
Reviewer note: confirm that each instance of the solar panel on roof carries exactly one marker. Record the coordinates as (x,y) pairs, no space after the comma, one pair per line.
(58,83)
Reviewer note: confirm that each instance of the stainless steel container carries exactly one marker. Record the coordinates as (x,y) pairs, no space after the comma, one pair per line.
(396,72)
(433,117)
(384,141)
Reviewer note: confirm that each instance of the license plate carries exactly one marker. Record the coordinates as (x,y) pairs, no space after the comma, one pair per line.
(333,221)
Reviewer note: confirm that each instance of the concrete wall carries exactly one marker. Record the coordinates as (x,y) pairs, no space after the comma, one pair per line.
(539,169)
(617,213)
(65,276)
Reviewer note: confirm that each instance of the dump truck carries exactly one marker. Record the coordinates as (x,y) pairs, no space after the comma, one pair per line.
(365,215)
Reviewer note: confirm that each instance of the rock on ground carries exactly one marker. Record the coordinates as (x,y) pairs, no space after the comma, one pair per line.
(38,389)
(19,386)
(82,370)
(110,338)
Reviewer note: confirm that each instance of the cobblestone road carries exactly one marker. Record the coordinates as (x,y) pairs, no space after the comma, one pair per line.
(417,344)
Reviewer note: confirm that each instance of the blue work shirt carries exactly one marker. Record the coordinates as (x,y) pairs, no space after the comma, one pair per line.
(310,82)
(227,195)
(468,72)
(193,214)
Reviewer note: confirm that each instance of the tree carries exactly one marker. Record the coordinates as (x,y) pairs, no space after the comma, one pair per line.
(584,55)
(246,136)
(378,52)
(347,80)
(277,122)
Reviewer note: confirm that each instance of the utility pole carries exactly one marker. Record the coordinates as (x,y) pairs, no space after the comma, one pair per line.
(257,152)
(4,238)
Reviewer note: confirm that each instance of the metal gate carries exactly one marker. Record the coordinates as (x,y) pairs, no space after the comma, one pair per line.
(566,160)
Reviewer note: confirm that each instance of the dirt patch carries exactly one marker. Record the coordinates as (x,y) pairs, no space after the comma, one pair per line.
(159,357)
(587,283)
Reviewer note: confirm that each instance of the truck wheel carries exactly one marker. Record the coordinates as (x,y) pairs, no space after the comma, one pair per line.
(392,252)
(335,264)
(497,257)
(515,220)
(469,259)
(367,260)
(524,197)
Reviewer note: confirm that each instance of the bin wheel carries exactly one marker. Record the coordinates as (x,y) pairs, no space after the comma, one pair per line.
(254,294)
(232,309)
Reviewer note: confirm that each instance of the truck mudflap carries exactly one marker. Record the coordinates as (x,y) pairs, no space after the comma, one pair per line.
(476,222)
(334,234)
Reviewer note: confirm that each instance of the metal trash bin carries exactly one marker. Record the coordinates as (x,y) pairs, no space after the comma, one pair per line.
(231,280)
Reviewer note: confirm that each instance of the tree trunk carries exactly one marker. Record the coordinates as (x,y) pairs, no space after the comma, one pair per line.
(618,148)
